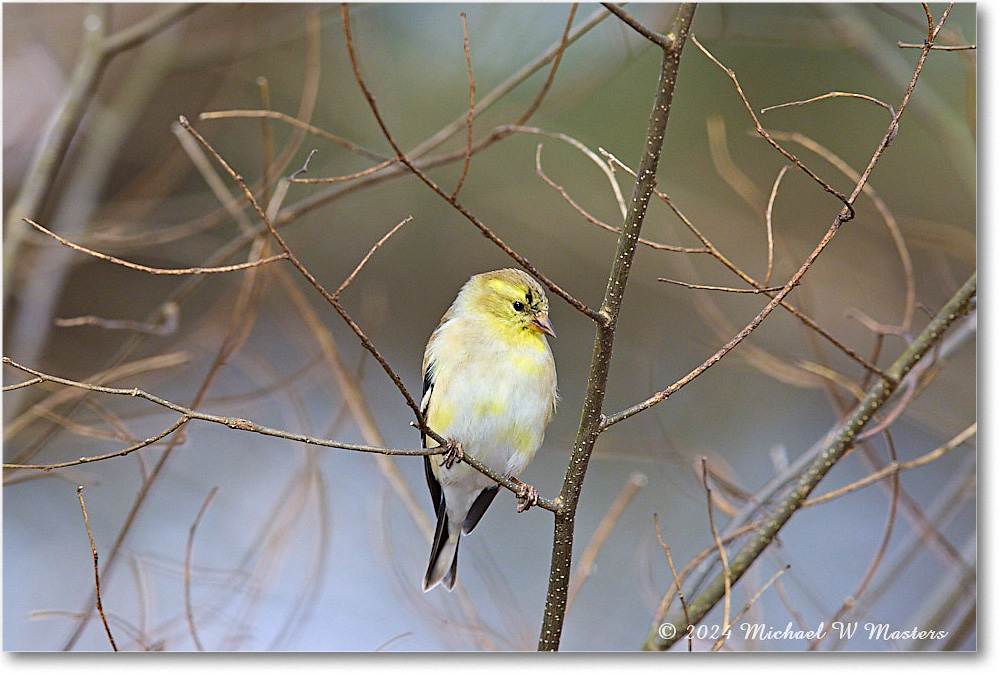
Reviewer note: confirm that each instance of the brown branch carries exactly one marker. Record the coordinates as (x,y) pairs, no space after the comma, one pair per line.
(154,270)
(371,252)
(98,458)
(841,218)
(294,178)
(720,288)
(97,575)
(472,105)
(770,228)
(487,232)
(231,422)
(944,48)
(833,94)
(165,324)
(896,467)
(760,130)
(587,216)
(662,41)
(774,577)
(723,556)
(677,581)
(592,417)
(715,253)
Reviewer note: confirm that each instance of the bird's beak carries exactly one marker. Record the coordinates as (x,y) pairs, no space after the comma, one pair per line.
(542,324)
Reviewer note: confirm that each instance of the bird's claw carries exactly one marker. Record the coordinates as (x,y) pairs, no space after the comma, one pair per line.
(453,453)
(526,498)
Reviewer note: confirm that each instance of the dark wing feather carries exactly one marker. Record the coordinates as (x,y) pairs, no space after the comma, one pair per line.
(478,508)
(437,497)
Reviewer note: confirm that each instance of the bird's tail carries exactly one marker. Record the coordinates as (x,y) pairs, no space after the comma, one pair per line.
(444,555)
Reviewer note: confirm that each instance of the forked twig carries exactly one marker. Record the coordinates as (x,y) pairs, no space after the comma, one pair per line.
(487,232)
(760,130)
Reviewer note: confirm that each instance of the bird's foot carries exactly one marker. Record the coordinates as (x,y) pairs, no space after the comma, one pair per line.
(526,497)
(453,453)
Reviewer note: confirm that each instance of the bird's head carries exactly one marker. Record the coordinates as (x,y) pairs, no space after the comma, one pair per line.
(512,300)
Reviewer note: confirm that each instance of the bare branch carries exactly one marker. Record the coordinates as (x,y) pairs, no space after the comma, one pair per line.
(98,458)
(371,252)
(487,232)
(155,270)
(770,228)
(760,130)
(834,94)
(720,288)
(97,575)
(662,41)
(472,105)
(944,48)
(723,556)
(677,581)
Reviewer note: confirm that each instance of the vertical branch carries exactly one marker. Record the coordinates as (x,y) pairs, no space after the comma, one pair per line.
(592,416)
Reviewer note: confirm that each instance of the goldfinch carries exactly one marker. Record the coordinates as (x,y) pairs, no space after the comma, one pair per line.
(490,389)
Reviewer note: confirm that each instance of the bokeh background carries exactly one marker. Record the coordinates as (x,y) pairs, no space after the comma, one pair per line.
(313,549)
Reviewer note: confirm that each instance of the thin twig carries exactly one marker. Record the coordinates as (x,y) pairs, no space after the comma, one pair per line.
(294,178)
(472,106)
(774,577)
(895,468)
(770,228)
(715,253)
(155,270)
(898,240)
(677,581)
(849,215)
(834,94)
(165,324)
(97,575)
(371,252)
(662,41)
(944,48)
(723,556)
(188,552)
(587,216)
(726,289)
(231,422)
(99,458)
(487,232)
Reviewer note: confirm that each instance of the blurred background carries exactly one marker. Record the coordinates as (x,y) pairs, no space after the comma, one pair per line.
(219,539)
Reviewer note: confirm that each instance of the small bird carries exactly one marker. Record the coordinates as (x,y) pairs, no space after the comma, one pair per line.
(490,390)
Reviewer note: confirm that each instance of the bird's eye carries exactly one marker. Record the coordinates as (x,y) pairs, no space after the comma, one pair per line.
(518,306)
